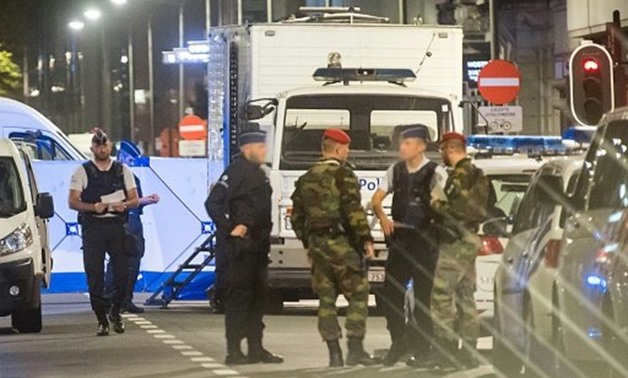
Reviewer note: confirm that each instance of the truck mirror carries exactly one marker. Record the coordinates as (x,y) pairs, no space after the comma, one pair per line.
(44,208)
(253,112)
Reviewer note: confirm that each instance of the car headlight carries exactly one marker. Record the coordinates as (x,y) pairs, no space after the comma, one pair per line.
(18,240)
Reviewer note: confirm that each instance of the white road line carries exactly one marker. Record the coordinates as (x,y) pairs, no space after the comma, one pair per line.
(202,359)
(212,365)
(225,372)
(182,347)
(149,326)
(191,353)
(171,342)
(163,336)
(129,316)
(154,331)
(137,319)
(142,322)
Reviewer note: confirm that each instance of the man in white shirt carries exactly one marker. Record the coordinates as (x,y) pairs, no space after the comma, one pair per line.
(411,241)
(102,191)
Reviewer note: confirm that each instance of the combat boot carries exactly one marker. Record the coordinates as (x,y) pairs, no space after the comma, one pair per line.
(358,356)
(116,321)
(466,358)
(258,354)
(335,354)
(441,356)
(397,350)
(235,355)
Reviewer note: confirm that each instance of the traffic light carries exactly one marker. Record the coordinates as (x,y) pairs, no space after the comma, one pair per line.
(591,83)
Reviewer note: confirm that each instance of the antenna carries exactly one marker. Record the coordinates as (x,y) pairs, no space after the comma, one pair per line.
(428,54)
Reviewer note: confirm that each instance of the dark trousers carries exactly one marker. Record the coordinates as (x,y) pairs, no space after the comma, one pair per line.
(222,263)
(411,256)
(247,291)
(100,238)
(136,243)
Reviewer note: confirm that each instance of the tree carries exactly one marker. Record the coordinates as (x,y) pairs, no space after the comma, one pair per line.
(10,75)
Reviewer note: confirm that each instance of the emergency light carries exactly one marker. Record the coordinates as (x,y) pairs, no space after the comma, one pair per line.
(346,75)
(520,144)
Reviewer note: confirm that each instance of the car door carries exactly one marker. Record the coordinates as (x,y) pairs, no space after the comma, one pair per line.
(42,224)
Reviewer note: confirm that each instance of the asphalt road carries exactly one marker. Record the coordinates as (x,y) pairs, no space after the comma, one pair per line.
(185,340)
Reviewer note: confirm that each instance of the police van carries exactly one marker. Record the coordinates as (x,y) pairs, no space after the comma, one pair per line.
(25,261)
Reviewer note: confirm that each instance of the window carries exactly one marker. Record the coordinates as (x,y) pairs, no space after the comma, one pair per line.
(507,193)
(571,187)
(609,187)
(11,194)
(375,123)
(533,211)
(40,147)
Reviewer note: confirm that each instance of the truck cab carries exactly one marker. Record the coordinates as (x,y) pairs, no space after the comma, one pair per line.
(374,107)
(25,261)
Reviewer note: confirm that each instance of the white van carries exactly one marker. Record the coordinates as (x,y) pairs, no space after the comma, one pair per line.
(40,137)
(25,261)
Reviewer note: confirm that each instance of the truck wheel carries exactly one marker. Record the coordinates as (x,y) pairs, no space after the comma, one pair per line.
(275,302)
(27,320)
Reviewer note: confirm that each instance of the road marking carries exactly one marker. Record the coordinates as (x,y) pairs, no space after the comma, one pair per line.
(148,326)
(202,359)
(181,347)
(163,336)
(172,342)
(143,322)
(153,331)
(225,372)
(212,365)
(129,316)
(137,319)
(191,353)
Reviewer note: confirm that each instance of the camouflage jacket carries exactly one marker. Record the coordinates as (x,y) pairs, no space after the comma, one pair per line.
(328,197)
(458,189)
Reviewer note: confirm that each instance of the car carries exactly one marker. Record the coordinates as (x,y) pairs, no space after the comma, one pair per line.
(591,291)
(527,271)
(25,261)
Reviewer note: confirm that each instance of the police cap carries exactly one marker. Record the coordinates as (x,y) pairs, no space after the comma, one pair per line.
(253,136)
(337,135)
(419,132)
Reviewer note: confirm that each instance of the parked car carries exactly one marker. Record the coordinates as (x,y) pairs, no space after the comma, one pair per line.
(526,274)
(25,261)
(591,291)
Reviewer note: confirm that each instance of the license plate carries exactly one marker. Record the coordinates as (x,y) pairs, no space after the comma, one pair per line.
(376,276)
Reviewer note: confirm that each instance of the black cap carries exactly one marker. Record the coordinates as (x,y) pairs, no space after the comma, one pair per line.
(419,132)
(257,136)
(99,138)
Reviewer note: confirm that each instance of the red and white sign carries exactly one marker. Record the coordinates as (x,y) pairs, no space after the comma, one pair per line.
(499,82)
(193,127)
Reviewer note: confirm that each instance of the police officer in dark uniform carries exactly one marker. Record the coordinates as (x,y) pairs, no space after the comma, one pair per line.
(412,247)
(240,205)
(102,191)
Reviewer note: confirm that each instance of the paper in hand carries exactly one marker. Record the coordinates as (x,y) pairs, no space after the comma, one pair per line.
(113,198)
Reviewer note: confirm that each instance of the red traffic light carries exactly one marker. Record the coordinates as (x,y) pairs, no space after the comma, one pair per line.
(590,65)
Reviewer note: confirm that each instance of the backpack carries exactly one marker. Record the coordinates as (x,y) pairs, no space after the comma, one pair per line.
(477,210)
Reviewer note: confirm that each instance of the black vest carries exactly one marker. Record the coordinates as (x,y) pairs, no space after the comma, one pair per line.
(412,194)
(101,183)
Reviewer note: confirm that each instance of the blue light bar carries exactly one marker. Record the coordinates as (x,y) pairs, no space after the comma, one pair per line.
(520,144)
(580,134)
(332,74)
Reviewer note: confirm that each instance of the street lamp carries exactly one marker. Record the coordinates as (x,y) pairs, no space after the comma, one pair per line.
(119,2)
(76,25)
(92,14)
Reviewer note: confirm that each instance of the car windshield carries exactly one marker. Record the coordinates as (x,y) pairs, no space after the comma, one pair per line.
(375,123)
(12,200)
(508,191)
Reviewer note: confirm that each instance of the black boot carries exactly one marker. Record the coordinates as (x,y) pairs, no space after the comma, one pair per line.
(466,358)
(103,324)
(358,356)
(335,354)
(116,320)
(235,355)
(258,354)
(442,356)
(397,350)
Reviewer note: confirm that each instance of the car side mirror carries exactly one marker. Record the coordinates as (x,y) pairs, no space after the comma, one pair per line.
(497,227)
(44,208)
(254,112)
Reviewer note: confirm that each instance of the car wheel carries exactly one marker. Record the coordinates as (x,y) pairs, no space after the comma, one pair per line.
(27,320)
(275,302)
(505,359)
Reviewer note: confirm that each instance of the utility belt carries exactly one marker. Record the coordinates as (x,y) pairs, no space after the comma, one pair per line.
(331,230)
(85,219)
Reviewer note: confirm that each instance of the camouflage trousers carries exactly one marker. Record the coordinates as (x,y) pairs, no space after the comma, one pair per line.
(454,312)
(338,269)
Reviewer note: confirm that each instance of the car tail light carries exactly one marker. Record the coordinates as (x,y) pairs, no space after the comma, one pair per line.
(490,246)
(288,211)
(552,252)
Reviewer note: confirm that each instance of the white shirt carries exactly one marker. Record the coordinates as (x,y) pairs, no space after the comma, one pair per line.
(79,180)
(438,179)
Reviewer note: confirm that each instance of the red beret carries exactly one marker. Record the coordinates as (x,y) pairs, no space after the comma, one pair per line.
(337,135)
(453,136)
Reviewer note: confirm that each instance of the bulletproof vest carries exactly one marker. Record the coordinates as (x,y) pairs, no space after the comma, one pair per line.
(412,194)
(101,183)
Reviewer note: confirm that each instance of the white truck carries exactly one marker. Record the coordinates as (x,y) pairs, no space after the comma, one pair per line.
(265,72)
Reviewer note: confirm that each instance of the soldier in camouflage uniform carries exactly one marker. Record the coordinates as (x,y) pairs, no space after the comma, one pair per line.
(329,219)
(462,208)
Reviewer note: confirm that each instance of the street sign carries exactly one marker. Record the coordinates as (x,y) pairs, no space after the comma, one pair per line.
(503,119)
(499,82)
(192,127)
(192,148)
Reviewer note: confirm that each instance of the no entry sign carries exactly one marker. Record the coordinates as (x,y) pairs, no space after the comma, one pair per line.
(499,82)
(193,127)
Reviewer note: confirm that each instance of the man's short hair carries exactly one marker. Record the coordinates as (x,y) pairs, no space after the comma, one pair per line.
(329,145)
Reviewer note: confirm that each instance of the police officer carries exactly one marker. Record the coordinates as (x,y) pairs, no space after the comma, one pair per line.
(461,207)
(102,191)
(240,205)
(412,245)
(328,218)
(137,248)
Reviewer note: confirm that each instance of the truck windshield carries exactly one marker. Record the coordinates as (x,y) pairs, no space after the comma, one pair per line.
(12,200)
(375,123)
